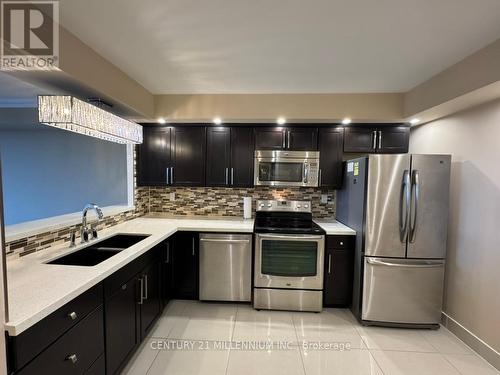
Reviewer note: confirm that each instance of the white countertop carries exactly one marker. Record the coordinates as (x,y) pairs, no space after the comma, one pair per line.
(37,289)
(333,227)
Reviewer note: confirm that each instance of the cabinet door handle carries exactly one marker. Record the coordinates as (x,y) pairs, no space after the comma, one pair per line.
(319,178)
(232,176)
(193,246)
(380,139)
(329,264)
(73,358)
(168,175)
(72,315)
(227,176)
(171,175)
(145,287)
(141,281)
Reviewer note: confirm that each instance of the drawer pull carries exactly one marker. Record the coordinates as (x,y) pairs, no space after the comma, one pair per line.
(73,358)
(72,315)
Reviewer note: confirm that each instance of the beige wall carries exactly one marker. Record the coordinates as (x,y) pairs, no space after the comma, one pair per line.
(472,295)
(267,107)
(469,82)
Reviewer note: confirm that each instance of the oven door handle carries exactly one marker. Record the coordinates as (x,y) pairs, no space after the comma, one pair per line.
(290,237)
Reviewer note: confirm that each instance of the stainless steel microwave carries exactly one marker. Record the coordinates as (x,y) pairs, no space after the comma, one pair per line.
(286,168)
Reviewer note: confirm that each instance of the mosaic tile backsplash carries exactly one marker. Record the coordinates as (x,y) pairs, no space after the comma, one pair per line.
(229,201)
(41,241)
(188,202)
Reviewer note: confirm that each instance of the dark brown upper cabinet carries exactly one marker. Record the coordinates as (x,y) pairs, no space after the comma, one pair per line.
(154,157)
(289,138)
(330,147)
(302,139)
(382,139)
(242,156)
(188,156)
(270,138)
(394,139)
(230,156)
(218,156)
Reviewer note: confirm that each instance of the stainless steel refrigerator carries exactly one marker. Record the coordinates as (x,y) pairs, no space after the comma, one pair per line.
(398,204)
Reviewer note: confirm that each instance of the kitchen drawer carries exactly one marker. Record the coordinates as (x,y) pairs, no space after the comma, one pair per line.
(84,343)
(340,242)
(24,347)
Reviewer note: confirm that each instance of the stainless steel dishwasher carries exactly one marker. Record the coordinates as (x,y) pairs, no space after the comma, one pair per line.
(225,267)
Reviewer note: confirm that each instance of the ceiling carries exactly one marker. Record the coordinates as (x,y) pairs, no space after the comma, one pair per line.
(282,46)
(16,93)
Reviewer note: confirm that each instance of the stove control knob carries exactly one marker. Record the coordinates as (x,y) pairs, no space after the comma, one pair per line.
(298,206)
(306,206)
(262,204)
(269,205)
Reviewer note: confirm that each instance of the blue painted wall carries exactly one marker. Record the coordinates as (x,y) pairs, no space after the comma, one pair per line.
(49,172)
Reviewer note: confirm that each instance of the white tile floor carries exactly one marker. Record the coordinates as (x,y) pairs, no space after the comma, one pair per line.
(216,330)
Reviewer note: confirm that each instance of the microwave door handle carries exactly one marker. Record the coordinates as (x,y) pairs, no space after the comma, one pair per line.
(306,173)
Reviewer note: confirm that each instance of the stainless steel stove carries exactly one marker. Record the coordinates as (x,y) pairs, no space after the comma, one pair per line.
(289,256)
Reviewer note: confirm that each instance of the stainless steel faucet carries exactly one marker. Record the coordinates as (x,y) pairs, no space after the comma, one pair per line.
(85,232)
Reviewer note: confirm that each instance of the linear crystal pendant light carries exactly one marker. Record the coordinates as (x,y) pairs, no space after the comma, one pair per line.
(70,113)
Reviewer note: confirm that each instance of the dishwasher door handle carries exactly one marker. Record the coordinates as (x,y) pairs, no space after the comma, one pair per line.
(223,241)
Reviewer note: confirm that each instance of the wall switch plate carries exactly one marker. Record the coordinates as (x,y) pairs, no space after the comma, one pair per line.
(324,198)
(172,197)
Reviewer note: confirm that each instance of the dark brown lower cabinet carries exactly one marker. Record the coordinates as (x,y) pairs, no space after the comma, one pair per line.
(151,304)
(185,265)
(338,272)
(97,332)
(73,353)
(132,307)
(121,317)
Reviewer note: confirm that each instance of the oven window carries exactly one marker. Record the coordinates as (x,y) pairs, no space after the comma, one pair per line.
(289,258)
(285,172)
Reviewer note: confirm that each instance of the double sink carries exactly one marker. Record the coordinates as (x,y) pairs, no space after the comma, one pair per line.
(98,252)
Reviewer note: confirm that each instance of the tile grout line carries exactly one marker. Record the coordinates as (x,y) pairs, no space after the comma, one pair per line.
(376,362)
(451,364)
(232,337)
(298,347)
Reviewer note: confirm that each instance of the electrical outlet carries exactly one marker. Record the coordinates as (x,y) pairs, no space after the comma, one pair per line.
(172,197)
(324,198)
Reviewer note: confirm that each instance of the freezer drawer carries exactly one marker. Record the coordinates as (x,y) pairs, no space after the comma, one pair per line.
(225,267)
(403,290)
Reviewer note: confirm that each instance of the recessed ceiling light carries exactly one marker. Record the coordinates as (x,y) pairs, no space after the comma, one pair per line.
(414,121)
(346,121)
(281,121)
(161,120)
(217,120)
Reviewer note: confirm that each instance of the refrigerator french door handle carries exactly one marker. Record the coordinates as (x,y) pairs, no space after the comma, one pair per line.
(404,206)
(415,195)
(374,139)
(380,139)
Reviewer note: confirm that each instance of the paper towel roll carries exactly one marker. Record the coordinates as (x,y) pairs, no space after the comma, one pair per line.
(247,207)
